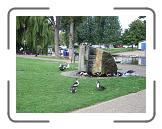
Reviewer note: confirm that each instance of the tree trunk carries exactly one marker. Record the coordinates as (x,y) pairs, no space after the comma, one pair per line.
(57,53)
(71,39)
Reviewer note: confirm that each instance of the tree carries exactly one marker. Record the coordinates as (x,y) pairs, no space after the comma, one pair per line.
(71,39)
(85,30)
(20,31)
(32,33)
(112,30)
(135,33)
(99,29)
(57,36)
(68,24)
(56,26)
(126,37)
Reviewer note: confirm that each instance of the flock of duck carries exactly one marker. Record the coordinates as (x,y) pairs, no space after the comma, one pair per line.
(62,67)
(99,87)
(74,87)
(109,74)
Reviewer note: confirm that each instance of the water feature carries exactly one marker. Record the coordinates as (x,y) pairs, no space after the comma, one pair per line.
(130,60)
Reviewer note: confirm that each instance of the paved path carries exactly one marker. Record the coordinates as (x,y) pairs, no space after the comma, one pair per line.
(42,58)
(132,103)
(139,69)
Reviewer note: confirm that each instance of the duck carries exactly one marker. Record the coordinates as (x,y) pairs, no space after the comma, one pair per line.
(119,74)
(67,66)
(110,74)
(129,73)
(99,87)
(98,74)
(82,73)
(61,67)
(76,83)
(73,89)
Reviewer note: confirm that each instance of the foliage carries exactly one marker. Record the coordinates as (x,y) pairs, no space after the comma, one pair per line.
(33,32)
(65,26)
(135,33)
(69,24)
(99,29)
(112,30)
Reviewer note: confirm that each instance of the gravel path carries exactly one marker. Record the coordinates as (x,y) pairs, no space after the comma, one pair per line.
(132,103)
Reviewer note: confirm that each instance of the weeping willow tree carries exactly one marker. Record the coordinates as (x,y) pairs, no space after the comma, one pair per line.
(33,34)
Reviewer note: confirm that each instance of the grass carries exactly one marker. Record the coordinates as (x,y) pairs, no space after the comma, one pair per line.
(52,57)
(118,50)
(40,88)
(115,50)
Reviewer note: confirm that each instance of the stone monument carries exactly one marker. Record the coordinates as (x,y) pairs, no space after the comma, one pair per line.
(93,60)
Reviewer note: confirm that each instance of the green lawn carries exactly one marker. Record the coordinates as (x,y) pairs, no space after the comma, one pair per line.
(52,57)
(41,88)
(118,50)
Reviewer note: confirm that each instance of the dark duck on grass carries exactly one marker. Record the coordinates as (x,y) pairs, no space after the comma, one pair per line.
(99,86)
(73,88)
(76,83)
(67,66)
(62,67)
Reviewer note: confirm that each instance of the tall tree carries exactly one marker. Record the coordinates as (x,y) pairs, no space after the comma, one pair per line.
(126,37)
(69,24)
(99,29)
(71,39)
(112,30)
(56,24)
(32,33)
(57,36)
(20,31)
(135,33)
(82,31)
